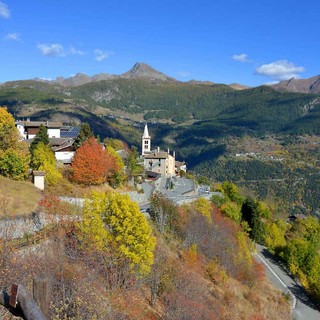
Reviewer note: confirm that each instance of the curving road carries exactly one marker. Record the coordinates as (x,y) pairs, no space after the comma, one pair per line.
(303,308)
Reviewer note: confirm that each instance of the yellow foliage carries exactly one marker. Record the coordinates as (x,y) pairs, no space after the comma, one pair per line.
(216,273)
(275,236)
(44,159)
(245,248)
(112,219)
(232,210)
(203,206)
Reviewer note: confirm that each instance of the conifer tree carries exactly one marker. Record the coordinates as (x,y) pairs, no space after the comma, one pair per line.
(85,133)
(41,136)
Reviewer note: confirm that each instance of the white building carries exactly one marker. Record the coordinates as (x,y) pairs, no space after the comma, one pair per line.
(28,129)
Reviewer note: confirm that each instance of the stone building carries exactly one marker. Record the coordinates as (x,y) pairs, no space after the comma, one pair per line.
(156,161)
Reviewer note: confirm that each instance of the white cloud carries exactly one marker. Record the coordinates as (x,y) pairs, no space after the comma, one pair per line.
(101,55)
(52,50)
(280,70)
(243,57)
(75,51)
(13,36)
(4,10)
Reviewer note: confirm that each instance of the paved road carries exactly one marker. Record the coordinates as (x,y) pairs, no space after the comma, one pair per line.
(304,309)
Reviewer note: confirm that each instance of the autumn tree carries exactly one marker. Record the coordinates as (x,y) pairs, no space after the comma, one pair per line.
(14,154)
(203,206)
(231,191)
(85,133)
(112,220)
(91,163)
(274,237)
(232,210)
(44,159)
(116,144)
(9,135)
(163,211)
(115,172)
(302,253)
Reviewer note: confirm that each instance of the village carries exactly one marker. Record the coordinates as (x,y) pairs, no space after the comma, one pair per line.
(162,172)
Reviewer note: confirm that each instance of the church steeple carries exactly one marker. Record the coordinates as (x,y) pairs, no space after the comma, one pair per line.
(146,141)
(146,133)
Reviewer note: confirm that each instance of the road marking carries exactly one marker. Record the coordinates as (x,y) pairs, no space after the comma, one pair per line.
(294,299)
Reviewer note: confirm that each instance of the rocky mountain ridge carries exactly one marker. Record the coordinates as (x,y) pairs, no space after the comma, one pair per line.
(138,71)
(144,71)
(309,85)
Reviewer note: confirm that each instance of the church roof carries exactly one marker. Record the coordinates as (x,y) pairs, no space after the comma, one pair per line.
(146,133)
(157,155)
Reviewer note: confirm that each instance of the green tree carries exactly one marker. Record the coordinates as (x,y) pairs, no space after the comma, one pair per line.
(133,167)
(44,160)
(114,220)
(231,191)
(252,214)
(84,134)
(14,163)
(41,136)
(302,252)
(116,144)
(231,210)
(116,173)
(274,237)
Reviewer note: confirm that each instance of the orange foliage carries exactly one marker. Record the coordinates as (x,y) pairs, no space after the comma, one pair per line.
(50,204)
(91,164)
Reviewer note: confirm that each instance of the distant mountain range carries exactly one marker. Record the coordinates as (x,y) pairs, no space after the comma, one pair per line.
(145,94)
(310,85)
(138,71)
(144,71)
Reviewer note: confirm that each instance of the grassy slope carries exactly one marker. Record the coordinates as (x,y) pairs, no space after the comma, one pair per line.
(17,198)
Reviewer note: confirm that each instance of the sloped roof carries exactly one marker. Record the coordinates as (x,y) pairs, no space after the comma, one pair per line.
(60,143)
(157,155)
(35,124)
(69,132)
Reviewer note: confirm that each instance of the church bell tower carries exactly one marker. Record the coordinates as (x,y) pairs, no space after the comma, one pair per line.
(146,141)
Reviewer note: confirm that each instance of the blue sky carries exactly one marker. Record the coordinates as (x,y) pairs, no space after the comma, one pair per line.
(249,42)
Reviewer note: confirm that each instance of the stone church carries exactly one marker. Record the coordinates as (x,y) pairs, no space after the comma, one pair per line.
(157,161)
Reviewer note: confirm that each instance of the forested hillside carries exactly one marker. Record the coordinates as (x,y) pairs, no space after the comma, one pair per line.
(199,121)
(256,110)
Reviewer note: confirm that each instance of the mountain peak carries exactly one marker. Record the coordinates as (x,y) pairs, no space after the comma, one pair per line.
(143,70)
(309,85)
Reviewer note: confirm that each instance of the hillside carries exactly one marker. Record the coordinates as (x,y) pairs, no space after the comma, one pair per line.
(259,110)
(17,198)
(194,275)
(196,119)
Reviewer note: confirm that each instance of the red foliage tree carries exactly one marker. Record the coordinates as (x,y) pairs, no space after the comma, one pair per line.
(91,164)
